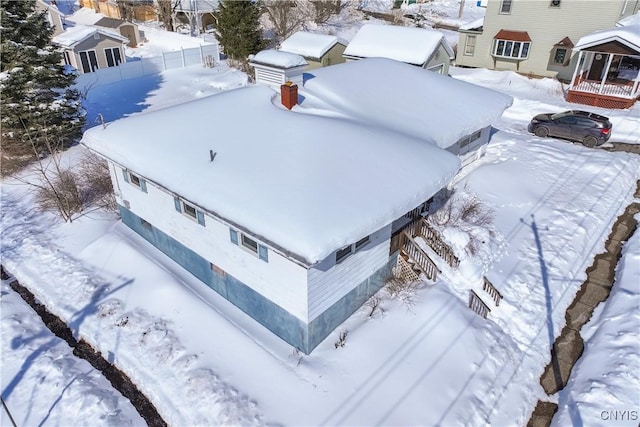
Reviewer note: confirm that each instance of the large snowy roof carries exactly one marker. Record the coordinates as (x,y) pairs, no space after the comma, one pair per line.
(628,35)
(311,45)
(406,44)
(74,35)
(278,59)
(415,102)
(306,184)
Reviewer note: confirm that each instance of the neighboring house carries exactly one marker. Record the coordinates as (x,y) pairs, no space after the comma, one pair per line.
(142,10)
(536,37)
(54,16)
(274,67)
(126,29)
(609,62)
(422,47)
(291,219)
(319,50)
(198,14)
(88,48)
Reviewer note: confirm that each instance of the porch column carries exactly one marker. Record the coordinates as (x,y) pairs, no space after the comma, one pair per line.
(606,72)
(579,66)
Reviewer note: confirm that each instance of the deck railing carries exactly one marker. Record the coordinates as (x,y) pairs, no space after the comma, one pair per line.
(477,305)
(488,287)
(435,242)
(421,258)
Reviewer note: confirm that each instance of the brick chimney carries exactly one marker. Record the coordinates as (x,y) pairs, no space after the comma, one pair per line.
(289,94)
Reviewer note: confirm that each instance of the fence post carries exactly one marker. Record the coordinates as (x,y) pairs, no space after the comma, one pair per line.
(164,62)
(202,56)
(183,61)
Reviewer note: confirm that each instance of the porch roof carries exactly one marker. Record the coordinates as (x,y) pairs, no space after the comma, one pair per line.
(516,36)
(628,35)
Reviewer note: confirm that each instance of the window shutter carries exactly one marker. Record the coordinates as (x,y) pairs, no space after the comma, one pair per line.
(200,216)
(178,205)
(126,175)
(234,236)
(143,185)
(263,253)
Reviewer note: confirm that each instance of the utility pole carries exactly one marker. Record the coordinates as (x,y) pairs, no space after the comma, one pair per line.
(461,8)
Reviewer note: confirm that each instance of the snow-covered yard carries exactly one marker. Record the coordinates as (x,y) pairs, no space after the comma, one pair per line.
(432,361)
(202,361)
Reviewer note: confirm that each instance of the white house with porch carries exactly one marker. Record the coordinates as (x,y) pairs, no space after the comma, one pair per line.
(608,74)
(292,216)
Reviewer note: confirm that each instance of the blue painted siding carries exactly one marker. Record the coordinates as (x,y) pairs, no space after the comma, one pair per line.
(288,327)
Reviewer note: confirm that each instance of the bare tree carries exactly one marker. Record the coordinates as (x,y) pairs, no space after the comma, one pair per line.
(286,16)
(165,10)
(125,7)
(325,9)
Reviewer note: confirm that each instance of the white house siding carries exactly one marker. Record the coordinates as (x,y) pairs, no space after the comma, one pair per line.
(546,26)
(440,57)
(277,76)
(98,45)
(329,282)
(280,280)
(468,153)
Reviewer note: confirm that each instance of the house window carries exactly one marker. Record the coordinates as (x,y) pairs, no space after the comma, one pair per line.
(470,45)
(250,244)
(113,56)
(505,7)
(145,224)
(189,211)
(560,56)
(343,253)
(511,49)
(554,3)
(468,140)
(134,180)
(67,58)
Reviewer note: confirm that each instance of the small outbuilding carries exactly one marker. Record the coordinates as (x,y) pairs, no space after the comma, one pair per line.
(422,47)
(88,48)
(319,50)
(274,67)
(125,28)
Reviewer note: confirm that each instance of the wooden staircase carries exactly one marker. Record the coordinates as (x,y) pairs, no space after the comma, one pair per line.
(413,262)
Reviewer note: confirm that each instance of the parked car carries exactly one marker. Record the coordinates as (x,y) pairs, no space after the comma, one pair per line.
(588,128)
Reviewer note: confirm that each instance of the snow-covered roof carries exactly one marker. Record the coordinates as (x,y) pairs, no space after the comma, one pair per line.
(478,23)
(629,20)
(311,45)
(74,35)
(418,103)
(308,185)
(628,35)
(406,44)
(278,59)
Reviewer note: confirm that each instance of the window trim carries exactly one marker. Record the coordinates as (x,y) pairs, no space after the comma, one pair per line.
(511,44)
(112,50)
(238,238)
(470,49)
(180,207)
(566,59)
(131,178)
(505,10)
(347,251)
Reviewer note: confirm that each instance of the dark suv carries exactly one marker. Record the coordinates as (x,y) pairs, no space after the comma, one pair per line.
(588,128)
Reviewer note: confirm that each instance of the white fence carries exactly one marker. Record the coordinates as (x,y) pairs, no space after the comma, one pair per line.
(207,55)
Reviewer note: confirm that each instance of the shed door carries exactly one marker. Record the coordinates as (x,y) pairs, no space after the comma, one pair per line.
(89,61)
(597,66)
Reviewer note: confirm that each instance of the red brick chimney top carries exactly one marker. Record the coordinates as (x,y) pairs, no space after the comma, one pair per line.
(289,94)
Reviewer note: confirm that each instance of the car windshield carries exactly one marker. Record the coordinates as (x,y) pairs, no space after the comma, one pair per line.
(559,115)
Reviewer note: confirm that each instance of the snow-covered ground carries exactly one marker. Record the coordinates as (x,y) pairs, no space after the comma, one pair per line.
(202,361)
(43,383)
(603,388)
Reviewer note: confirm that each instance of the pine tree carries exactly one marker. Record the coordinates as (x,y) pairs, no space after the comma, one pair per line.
(238,28)
(38,104)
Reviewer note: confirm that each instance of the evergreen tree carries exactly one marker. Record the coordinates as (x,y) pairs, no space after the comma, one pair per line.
(38,104)
(238,28)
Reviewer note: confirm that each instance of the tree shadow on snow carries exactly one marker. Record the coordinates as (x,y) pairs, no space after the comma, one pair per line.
(106,103)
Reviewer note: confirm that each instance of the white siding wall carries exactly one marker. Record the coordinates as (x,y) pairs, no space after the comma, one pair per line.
(280,280)
(329,282)
(546,26)
(275,77)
